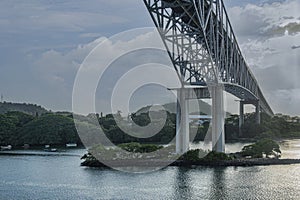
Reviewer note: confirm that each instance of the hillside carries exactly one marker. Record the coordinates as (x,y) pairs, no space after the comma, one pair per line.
(171,107)
(31,109)
(205,108)
(18,128)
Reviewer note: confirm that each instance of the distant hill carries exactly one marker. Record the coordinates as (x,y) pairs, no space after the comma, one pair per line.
(48,129)
(17,129)
(30,109)
(205,108)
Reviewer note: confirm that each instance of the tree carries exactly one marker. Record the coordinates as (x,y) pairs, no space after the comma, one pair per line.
(264,146)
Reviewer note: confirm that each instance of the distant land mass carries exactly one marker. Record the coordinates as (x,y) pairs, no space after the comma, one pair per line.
(31,109)
(205,108)
(22,123)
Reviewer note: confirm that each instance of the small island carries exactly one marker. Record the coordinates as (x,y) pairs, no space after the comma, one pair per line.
(32,126)
(263,152)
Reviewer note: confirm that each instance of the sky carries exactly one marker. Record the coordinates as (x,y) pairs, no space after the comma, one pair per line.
(44,42)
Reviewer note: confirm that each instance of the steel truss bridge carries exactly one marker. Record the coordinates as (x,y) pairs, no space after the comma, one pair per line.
(203,48)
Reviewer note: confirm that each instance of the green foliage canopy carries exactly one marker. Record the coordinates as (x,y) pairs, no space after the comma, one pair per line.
(264,146)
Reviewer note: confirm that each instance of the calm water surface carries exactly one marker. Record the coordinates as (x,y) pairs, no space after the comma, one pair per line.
(61,177)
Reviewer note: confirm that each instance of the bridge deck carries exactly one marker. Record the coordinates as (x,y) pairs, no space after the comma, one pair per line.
(202,31)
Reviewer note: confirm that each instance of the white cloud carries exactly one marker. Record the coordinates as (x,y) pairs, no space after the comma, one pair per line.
(262,20)
(60,68)
(267,34)
(54,65)
(40,49)
(52,30)
(42,16)
(271,52)
(287,101)
(90,35)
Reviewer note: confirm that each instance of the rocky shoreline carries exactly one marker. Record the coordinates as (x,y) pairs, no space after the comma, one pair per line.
(220,163)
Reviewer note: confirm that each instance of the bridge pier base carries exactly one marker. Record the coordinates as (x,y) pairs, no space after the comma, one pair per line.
(182,123)
(218,117)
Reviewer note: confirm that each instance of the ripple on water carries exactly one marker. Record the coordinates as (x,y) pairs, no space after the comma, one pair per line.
(61,177)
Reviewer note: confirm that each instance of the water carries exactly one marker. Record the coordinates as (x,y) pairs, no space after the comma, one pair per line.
(61,177)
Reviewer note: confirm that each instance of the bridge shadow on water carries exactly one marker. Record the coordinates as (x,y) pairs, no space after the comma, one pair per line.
(182,186)
(210,185)
(217,188)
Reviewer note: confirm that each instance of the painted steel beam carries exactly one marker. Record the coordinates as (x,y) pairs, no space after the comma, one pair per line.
(202,46)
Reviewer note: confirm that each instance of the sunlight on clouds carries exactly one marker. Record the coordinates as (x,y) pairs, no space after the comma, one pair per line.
(268,43)
(46,41)
(261,21)
(287,100)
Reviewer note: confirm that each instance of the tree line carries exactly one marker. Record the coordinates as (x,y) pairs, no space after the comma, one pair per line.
(18,128)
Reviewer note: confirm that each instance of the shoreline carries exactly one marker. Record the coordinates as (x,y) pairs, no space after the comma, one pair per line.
(160,162)
(41,153)
(181,163)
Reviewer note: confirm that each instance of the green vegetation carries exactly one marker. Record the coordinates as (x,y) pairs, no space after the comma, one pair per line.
(48,129)
(193,155)
(264,146)
(130,151)
(139,148)
(200,155)
(18,128)
(117,136)
(31,109)
(277,127)
(7,128)
(216,156)
(32,124)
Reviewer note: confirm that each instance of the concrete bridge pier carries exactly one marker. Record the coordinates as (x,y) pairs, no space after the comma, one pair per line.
(182,123)
(242,118)
(257,111)
(218,118)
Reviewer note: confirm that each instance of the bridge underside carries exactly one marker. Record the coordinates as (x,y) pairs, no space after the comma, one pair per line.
(216,93)
(204,51)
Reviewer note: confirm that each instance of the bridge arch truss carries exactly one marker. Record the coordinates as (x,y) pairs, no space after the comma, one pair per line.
(203,48)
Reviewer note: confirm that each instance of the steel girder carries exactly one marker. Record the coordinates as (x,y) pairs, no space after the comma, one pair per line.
(202,46)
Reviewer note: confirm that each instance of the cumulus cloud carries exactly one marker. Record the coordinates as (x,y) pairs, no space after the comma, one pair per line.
(295,47)
(121,54)
(288,100)
(268,33)
(55,65)
(42,15)
(265,20)
(43,44)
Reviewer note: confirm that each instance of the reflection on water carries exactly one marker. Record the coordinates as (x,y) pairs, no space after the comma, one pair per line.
(61,177)
(217,186)
(182,184)
(290,149)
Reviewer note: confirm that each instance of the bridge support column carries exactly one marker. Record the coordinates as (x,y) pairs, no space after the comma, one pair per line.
(257,112)
(241,118)
(218,134)
(182,123)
